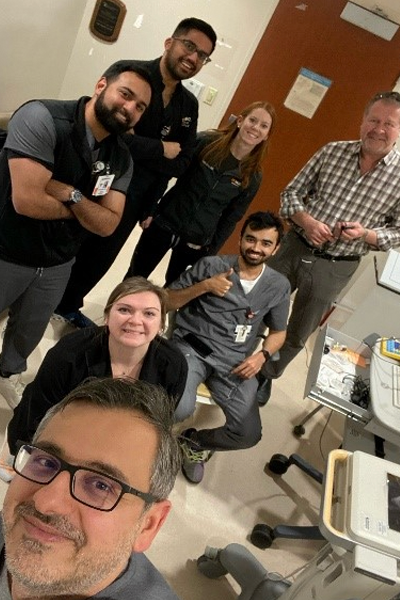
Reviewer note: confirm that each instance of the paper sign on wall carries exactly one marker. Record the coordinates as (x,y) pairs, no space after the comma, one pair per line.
(307,92)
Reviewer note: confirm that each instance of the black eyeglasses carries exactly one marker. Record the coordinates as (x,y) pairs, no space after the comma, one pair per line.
(191,47)
(87,486)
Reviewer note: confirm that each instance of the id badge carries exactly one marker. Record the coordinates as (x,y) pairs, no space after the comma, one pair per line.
(242,331)
(103,185)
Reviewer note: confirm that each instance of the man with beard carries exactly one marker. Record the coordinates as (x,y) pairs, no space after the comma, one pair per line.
(64,171)
(89,496)
(162,146)
(223,303)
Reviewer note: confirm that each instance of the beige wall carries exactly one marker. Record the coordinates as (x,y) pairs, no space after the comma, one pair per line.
(37,38)
(238,23)
(48,51)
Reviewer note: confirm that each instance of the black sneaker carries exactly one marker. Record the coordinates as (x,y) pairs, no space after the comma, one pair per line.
(264,390)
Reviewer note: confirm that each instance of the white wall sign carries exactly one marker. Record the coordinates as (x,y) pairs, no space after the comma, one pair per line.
(307,92)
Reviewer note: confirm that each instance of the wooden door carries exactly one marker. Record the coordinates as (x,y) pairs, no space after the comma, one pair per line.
(358,63)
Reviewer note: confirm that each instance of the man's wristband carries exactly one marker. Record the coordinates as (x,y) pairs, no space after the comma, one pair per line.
(266,354)
(364,235)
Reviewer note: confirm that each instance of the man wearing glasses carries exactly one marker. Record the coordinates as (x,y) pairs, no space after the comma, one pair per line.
(162,147)
(89,496)
(343,203)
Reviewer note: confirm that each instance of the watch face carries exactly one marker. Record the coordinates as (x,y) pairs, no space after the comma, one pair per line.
(76,196)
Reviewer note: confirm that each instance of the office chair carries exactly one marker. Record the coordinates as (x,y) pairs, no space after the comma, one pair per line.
(263,535)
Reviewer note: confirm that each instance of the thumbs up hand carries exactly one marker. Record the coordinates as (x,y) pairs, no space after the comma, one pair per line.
(220,284)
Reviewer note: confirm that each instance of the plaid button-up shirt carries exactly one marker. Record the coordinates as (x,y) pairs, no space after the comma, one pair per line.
(331,188)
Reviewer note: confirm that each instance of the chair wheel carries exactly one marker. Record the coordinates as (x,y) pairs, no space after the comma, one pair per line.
(262,536)
(298,430)
(278,464)
(210,568)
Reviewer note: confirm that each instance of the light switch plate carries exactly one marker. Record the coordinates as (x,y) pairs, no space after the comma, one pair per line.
(210,96)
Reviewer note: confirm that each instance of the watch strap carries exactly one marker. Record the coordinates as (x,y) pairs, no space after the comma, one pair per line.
(266,354)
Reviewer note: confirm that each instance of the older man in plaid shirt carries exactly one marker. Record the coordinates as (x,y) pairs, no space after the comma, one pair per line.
(345,201)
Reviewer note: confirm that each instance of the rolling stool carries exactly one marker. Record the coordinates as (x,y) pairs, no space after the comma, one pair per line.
(263,535)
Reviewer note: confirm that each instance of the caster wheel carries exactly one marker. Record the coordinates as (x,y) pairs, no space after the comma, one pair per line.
(299,430)
(209,567)
(262,536)
(278,464)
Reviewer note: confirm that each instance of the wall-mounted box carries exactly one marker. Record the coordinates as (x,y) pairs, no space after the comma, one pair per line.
(369,20)
(194,86)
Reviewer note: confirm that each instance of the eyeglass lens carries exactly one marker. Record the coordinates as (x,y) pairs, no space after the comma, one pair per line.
(87,486)
(191,47)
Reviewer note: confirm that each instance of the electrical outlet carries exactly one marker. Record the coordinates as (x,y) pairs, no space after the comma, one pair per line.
(210,96)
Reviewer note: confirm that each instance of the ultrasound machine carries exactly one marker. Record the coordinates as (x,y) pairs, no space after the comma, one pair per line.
(360,508)
(360,519)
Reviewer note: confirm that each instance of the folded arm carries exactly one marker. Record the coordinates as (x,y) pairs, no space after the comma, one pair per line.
(36,195)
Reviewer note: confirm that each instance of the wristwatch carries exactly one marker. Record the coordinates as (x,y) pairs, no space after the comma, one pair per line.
(74,198)
(266,354)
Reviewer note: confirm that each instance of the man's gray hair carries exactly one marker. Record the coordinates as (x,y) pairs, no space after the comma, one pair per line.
(387,97)
(151,402)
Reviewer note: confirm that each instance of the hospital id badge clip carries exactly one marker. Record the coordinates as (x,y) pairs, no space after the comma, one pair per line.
(103,185)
